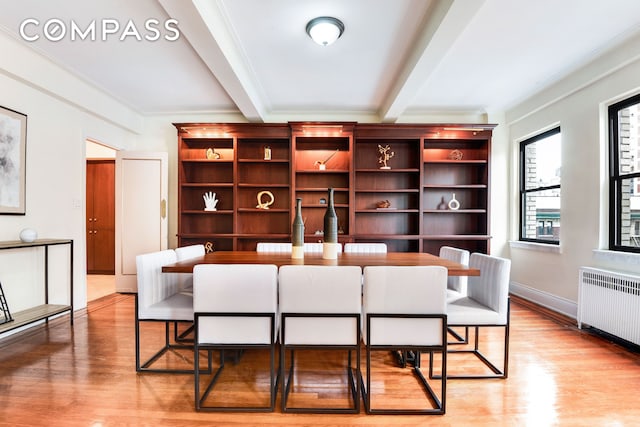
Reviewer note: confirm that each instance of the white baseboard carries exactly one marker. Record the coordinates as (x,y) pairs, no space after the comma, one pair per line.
(552,302)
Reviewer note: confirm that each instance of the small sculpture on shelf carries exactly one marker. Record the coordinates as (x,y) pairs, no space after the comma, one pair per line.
(455,155)
(210,201)
(385,155)
(208,247)
(262,204)
(212,155)
(383,204)
(322,164)
(454,205)
(267,152)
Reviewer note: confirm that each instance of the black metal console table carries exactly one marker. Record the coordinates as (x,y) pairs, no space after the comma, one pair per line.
(46,310)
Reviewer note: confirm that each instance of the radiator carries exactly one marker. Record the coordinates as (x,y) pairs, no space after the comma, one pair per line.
(610,301)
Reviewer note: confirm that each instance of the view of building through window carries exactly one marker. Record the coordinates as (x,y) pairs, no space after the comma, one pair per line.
(541,162)
(629,164)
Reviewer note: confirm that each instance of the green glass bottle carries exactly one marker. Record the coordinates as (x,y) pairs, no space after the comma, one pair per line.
(329,249)
(297,232)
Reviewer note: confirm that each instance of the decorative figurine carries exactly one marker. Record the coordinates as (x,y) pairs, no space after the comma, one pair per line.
(454,205)
(385,156)
(210,201)
(208,247)
(455,155)
(267,152)
(212,155)
(262,204)
(322,164)
(383,204)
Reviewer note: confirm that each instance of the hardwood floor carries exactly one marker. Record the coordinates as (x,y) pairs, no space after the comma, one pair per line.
(56,375)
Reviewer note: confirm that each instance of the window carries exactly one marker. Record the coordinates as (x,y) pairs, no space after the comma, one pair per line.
(540,167)
(624,169)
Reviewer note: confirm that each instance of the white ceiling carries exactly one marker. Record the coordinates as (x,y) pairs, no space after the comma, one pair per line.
(396,57)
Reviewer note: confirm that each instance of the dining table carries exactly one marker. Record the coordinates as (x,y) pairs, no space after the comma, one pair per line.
(352,259)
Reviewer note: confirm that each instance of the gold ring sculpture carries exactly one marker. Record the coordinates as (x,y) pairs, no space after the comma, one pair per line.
(265,205)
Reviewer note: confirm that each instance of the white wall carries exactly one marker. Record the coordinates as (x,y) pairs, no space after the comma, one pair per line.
(62,112)
(578,104)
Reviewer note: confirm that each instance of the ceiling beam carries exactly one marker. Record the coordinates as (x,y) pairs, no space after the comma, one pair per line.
(205,26)
(444,22)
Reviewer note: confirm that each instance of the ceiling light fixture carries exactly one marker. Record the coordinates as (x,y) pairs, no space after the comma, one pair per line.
(325,30)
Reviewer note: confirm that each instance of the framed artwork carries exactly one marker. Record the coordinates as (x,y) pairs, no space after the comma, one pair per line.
(13,151)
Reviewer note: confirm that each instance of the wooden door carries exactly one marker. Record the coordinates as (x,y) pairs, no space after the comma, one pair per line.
(100,216)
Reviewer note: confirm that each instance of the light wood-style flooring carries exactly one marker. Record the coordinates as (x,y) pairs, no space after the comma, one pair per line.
(55,375)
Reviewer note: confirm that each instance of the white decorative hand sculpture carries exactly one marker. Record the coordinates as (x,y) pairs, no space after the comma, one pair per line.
(210,201)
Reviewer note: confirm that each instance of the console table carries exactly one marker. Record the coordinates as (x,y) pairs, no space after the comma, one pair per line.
(46,310)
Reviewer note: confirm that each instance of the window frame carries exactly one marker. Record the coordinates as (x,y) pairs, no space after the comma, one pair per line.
(615,178)
(525,191)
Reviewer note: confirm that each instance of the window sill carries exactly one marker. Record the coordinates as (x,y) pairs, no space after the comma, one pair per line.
(538,247)
(627,258)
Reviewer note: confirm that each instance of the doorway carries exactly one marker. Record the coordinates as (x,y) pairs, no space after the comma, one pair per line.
(100,220)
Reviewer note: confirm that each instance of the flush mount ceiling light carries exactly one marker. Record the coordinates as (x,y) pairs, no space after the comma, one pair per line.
(325,30)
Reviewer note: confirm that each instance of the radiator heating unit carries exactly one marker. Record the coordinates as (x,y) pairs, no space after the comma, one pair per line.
(610,301)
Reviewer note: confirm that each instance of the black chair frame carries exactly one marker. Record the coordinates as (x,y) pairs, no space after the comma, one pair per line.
(354,383)
(438,404)
(168,345)
(209,347)
(497,372)
(457,338)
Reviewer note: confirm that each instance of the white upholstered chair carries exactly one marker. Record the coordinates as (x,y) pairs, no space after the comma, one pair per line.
(316,248)
(320,308)
(485,306)
(277,247)
(404,309)
(159,300)
(365,248)
(235,308)
(186,253)
(456,286)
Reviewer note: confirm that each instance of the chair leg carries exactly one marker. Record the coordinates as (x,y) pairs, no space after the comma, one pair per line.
(438,403)
(168,346)
(354,385)
(200,399)
(457,338)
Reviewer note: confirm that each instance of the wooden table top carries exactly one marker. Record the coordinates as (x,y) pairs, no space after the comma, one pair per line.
(361,260)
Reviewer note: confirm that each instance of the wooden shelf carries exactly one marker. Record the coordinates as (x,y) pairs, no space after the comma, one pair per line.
(203,212)
(326,171)
(446,186)
(34,314)
(458,211)
(455,237)
(314,206)
(266,185)
(387,236)
(375,190)
(388,170)
(263,161)
(387,210)
(206,184)
(461,162)
(265,211)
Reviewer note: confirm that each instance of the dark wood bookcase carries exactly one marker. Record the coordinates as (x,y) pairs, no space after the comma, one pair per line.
(404,206)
